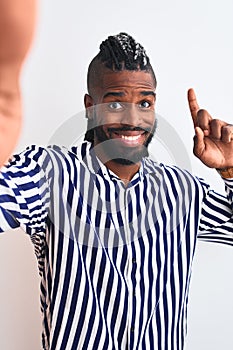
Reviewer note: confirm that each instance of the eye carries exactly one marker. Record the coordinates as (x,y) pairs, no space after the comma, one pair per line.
(145,104)
(115,105)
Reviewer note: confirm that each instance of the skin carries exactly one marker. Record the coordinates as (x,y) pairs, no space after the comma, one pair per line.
(125,99)
(213,141)
(17,19)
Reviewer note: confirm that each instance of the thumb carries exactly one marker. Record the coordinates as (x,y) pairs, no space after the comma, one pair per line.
(199,144)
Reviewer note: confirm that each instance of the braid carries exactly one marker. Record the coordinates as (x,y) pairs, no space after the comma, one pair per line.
(118,52)
(123,52)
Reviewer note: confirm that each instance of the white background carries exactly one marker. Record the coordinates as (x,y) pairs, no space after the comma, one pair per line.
(190,45)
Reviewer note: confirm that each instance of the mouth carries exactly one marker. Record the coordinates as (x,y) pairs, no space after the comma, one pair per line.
(129,137)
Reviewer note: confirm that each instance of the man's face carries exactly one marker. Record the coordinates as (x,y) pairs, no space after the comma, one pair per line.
(123,112)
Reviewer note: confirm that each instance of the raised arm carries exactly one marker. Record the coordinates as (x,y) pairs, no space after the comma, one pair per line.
(213,143)
(17,19)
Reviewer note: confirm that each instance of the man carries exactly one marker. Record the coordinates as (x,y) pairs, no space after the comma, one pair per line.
(115,232)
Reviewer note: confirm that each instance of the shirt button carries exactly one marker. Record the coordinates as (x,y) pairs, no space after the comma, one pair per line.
(132,329)
(134,261)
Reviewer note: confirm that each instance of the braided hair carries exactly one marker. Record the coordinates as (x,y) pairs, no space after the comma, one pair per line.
(119,52)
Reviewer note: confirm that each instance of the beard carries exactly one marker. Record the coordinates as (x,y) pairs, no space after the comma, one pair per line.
(114,150)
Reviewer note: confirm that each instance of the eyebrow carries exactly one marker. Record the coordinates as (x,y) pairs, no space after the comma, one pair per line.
(148,93)
(113,93)
(120,94)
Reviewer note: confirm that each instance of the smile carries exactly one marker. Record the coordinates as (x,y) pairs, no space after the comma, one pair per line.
(129,137)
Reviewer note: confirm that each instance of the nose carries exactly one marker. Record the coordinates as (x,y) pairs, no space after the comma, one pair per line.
(131,115)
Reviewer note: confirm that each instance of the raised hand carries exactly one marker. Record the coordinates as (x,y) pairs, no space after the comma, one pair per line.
(213,141)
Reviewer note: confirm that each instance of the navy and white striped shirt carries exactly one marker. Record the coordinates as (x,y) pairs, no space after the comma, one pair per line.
(115,261)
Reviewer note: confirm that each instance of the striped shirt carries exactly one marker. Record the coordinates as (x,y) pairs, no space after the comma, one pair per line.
(115,261)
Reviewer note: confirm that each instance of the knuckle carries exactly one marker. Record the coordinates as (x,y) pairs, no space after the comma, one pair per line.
(227,129)
(193,109)
(216,121)
(203,116)
(201,111)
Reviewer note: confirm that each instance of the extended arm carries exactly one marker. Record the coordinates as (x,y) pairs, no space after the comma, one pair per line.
(16,30)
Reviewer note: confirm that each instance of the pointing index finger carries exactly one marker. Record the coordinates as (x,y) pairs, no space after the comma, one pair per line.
(193,106)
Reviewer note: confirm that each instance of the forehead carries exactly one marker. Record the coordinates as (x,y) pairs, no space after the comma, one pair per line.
(124,80)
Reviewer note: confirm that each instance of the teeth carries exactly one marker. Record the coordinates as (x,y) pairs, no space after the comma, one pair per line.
(130,138)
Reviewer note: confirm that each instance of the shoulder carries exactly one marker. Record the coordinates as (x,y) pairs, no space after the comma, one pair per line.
(175,175)
(39,154)
(32,160)
(39,164)
(33,153)
(165,169)
(36,156)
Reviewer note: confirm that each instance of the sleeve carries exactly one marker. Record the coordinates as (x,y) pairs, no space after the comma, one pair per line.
(24,191)
(216,221)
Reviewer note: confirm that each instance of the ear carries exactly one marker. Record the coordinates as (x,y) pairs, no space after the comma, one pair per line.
(88,102)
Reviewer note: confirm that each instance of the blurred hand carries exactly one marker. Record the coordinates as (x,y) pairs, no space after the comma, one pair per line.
(17,19)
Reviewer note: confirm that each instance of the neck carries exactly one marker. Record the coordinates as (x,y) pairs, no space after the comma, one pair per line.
(124,172)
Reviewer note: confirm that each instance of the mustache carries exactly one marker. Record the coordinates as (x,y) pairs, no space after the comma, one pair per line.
(129,128)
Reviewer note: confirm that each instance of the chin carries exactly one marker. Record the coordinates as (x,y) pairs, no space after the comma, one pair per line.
(123,155)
